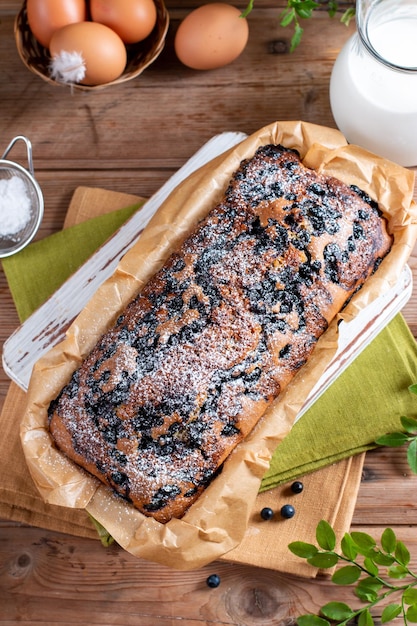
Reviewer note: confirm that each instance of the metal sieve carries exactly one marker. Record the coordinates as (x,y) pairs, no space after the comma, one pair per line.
(29,192)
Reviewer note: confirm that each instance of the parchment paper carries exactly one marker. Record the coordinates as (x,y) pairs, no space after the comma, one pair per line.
(217,522)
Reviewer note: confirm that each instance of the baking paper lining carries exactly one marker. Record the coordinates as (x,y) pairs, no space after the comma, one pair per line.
(218,520)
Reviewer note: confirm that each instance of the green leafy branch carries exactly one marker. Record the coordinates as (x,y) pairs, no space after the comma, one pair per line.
(365,560)
(406,437)
(297,10)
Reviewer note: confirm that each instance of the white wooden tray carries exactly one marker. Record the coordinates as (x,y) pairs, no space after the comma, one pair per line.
(358,333)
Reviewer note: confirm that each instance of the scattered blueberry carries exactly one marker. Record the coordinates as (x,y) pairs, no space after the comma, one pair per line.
(297,487)
(287,511)
(267,513)
(213,581)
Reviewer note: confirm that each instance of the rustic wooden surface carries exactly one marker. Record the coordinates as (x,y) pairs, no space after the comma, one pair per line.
(132,138)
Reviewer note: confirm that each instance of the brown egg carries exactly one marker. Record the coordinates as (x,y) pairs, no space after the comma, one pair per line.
(46,16)
(211,36)
(88,53)
(132,20)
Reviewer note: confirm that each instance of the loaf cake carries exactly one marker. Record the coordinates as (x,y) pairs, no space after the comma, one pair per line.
(192,363)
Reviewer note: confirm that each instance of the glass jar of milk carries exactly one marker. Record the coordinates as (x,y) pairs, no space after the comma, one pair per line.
(373,87)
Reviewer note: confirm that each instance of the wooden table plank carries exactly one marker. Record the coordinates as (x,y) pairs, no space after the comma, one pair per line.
(388,489)
(63,581)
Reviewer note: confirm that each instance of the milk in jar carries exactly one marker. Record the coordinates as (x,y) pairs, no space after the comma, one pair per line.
(373,86)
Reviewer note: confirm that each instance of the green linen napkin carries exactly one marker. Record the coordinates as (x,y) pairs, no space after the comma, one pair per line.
(366,401)
(38,270)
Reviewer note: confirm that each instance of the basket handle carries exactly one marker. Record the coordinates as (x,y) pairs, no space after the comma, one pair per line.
(28,148)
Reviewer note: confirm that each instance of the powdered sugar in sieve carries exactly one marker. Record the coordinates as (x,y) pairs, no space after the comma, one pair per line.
(21,203)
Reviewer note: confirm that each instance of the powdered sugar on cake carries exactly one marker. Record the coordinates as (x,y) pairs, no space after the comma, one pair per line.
(194,361)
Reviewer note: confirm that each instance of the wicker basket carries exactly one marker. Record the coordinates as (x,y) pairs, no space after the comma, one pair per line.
(139,56)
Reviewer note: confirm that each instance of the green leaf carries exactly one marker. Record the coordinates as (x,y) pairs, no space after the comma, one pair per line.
(383,559)
(296,38)
(302,549)
(105,537)
(348,547)
(367,589)
(306,5)
(363,540)
(410,596)
(393,440)
(323,560)
(248,9)
(305,11)
(366,595)
(412,456)
(370,566)
(365,543)
(397,571)
(346,575)
(390,612)
(312,620)
(388,541)
(348,15)
(411,613)
(332,8)
(402,554)
(287,17)
(409,424)
(337,611)
(325,535)
(365,618)
(413,388)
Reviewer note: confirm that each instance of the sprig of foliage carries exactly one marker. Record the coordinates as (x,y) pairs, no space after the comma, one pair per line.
(371,568)
(297,10)
(406,437)
(348,15)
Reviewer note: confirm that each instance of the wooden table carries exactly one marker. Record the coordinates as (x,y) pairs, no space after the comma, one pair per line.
(131,138)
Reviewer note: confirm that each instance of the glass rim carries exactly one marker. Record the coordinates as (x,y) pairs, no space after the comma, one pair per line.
(410,69)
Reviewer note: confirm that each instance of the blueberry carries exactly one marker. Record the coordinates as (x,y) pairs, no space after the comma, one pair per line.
(297,487)
(287,511)
(213,581)
(267,513)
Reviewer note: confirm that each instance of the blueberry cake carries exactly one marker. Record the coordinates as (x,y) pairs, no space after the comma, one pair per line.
(195,359)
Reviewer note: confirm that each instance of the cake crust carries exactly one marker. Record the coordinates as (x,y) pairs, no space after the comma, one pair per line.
(196,358)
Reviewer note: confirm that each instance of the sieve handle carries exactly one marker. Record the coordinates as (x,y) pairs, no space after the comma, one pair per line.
(28,148)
